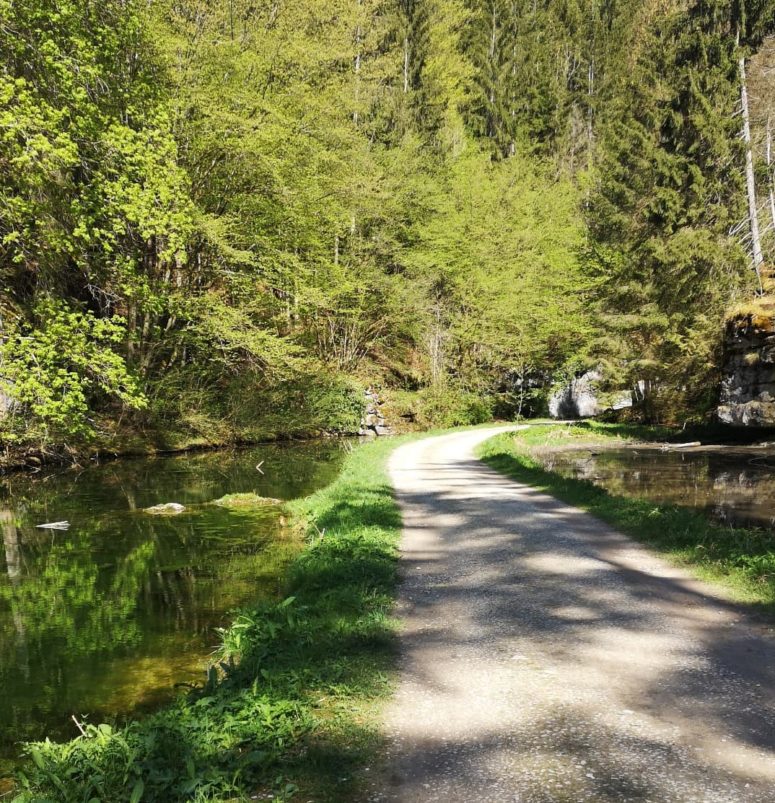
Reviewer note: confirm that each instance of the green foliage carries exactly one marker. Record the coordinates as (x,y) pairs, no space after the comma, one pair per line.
(248,406)
(307,404)
(670,191)
(451,406)
(476,192)
(337,404)
(500,259)
(55,371)
(90,188)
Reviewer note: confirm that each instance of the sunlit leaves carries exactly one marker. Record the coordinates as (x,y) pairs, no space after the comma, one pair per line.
(56,368)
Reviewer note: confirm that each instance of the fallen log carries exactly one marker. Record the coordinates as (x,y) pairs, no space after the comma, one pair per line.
(688,445)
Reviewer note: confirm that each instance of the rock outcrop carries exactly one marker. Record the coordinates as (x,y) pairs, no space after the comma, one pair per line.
(6,404)
(582,398)
(748,383)
(373,421)
(578,399)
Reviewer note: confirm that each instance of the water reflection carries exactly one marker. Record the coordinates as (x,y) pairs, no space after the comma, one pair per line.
(733,485)
(107,616)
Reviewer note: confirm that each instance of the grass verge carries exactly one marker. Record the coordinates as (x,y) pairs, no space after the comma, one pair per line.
(741,559)
(289,706)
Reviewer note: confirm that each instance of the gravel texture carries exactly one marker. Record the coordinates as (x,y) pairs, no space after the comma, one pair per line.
(546,657)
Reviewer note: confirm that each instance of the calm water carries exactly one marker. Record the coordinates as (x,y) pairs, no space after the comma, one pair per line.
(735,485)
(106,617)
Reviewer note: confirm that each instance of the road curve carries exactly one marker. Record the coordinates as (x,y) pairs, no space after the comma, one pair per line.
(546,657)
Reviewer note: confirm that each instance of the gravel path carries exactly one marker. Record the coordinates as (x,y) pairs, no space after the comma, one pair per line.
(546,657)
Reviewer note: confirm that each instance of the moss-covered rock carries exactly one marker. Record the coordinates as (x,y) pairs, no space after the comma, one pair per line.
(246,500)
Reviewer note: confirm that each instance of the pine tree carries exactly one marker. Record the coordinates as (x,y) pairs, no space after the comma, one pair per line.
(670,191)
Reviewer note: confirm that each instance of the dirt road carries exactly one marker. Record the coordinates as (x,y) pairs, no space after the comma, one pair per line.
(546,657)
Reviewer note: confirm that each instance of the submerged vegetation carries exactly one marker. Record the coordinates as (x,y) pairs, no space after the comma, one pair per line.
(103,619)
(287,705)
(742,559)
(246,500)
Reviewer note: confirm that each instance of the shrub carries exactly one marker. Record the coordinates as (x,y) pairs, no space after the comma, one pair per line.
(452,406)
(54,371)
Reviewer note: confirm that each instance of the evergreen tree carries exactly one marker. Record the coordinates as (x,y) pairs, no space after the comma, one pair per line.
(670,190)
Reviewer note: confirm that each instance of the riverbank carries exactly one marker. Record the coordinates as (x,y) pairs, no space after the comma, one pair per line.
(153,444)
(289,414)
(12,462)
(742,560)
(289,706)
(181,420)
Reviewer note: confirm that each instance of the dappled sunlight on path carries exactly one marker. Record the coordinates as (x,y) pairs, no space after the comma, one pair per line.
(546,657)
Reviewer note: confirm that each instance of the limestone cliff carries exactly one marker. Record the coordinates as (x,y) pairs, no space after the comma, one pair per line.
(748,384)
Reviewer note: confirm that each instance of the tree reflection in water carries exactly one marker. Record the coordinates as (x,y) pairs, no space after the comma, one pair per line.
(731,484)
(109,615)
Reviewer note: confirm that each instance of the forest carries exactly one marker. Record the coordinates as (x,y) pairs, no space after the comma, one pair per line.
(223,220)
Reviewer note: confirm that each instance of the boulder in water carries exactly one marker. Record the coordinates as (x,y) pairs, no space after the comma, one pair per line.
(167,509)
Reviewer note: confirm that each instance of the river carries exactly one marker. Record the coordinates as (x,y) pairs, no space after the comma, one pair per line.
(103,619)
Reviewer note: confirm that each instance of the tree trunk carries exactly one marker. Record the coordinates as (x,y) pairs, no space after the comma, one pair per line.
(436,349)
(770,173)
(492,121)
(406,64)
(590,116)
(357,65)
(753,216)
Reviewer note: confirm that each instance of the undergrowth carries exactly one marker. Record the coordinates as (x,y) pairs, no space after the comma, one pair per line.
(742,559)
(288,705)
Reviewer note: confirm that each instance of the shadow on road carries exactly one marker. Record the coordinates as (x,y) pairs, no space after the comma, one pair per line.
(587,669)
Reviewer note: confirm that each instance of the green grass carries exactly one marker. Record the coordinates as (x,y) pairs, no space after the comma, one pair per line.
(290,704)
(246,500)
(545,432)
(743,560)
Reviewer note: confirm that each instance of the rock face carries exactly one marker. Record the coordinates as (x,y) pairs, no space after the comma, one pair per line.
(748,383)
(581,398)
(6,404)
(578,399)
(373,421)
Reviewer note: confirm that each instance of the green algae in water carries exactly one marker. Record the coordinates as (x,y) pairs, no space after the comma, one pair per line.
(109,617)
(246,501)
